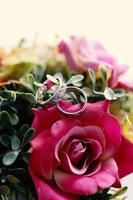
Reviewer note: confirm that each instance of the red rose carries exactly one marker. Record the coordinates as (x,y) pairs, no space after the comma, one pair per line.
(75,156)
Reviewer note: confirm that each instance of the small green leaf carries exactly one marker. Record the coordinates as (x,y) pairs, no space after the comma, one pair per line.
(87,91)
(103,72)
(14,119)
(5,118)
(3,101)
(75,79)
(23,129)
(2,197)
(10,157)
(13,95)
(120,192)
(10,95)
(78,84)
(38,71)
(92,77)
(12,109)
(25,157)
(5,140)
(109,94)
(20,189)
(12,179)
(4,190)
(52,79)
(28,135)
(119,93)
(31,79)
(30,98)
(73,97)
(15,143)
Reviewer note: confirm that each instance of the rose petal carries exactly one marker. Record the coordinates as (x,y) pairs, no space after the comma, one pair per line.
(95,133)
(75,184)
(42,156)
(124,158)
(61,127)
(44,118)
(64,48)
(108,174)
(50,192)
(112,133)
(121,69)
(94,168)
(75,149)
(128,86)
(93,115)
(69,167)
(96,149)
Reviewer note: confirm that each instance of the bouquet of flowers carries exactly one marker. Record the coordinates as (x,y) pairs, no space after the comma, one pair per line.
(66,122)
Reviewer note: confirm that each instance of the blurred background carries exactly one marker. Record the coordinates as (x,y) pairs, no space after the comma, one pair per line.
(108,21)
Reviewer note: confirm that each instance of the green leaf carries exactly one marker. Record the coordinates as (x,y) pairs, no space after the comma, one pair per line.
(5,118)
(109,94)
(3,197)
(92,77)
(31,79)
(78,84)
(120,192)
(87,91)
(13,95)
(25,157)
(103,72)
(14,119)
(23,129)
(119,93)
(5,140)
(38,71)
(20,189)
(15,143)
(4,190)
(10,157)
(52,79)
(11,109)
(30,82)
(8,119)
(75,79)
(12,179)
(73,97)
(28,135)
(30,98)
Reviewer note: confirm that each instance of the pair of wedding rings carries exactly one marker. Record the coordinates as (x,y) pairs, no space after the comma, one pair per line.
(58,96)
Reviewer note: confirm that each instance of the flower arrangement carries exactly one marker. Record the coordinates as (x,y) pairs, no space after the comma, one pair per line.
(66,119)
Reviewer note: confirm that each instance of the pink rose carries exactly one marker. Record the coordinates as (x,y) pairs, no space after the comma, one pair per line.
(74,156)
(80,53)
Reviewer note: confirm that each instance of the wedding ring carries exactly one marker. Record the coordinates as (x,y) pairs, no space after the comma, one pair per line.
(56,97)
(74,89)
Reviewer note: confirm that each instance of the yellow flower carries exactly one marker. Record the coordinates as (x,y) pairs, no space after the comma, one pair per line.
(127,127)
